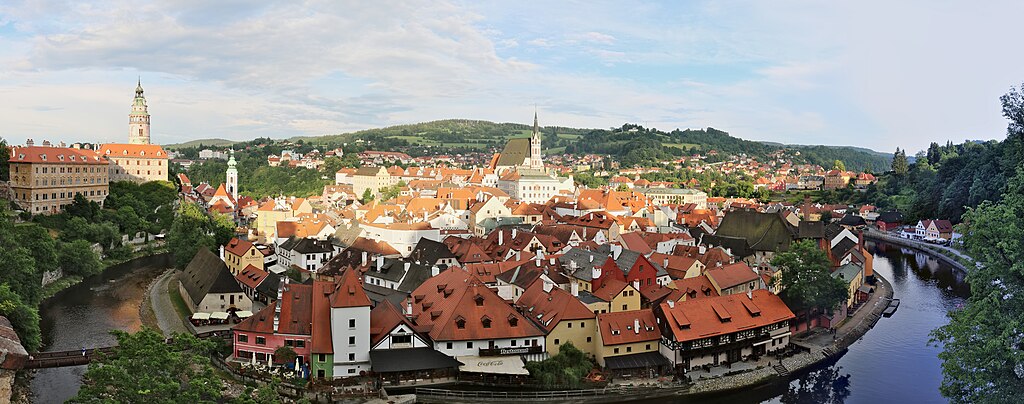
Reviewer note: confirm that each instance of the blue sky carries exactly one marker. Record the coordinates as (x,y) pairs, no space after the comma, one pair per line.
(871,74)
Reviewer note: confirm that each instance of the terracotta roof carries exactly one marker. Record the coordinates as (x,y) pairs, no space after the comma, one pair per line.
(549,308)
(731,275)
(696,287)
(455,305)
(238,247)
(625,327)
(384,318)
(635,241)
(703,318)
(296,313)
(349,291)
(55,155)
(611,288)
(251,276)
(133,150)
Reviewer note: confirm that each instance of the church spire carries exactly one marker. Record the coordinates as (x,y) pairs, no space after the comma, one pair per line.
(138,89)
(536,127)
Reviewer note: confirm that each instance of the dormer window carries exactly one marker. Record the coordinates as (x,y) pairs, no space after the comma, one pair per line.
(513,321)
(42,156)
(460,323)
(615,332)
(60,157)
(142,153)
(479,300)
(486,321)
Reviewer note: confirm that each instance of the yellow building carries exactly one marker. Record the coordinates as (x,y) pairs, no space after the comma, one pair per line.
(239,254)
(44,179)
(613,296)
(273,211)
(562,316)
(136,162)
(372,178)
(629,344)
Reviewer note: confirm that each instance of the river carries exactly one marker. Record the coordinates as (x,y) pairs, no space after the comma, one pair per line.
(893,362)
(84,314)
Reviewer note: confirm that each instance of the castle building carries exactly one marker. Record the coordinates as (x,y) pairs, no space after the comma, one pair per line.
(138,160)
(44,179)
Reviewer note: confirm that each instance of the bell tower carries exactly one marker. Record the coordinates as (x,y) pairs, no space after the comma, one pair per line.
(232,177)
(138,119)
(536,159)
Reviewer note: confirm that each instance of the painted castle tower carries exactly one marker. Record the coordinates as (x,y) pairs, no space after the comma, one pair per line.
(138,120)
(536,160)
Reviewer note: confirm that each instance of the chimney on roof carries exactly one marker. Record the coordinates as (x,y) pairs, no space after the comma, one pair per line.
(574,287)
(519,255)
(364,258)
(547,286)
(702,249)
(671,303)
(551,260)
(407,266)
(46,143)
(501,237)
(636,325)
(513,233)
(572,265)
(636,284)
(29,143)
(408,307)
(222,253)
(434,270)
(664,263)
(596,273)
(616,250)
(380,262)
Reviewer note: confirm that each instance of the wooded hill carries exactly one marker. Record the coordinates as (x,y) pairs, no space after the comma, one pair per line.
(631,144)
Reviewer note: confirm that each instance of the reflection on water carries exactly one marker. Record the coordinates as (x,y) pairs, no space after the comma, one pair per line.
(893,362)
(83,315)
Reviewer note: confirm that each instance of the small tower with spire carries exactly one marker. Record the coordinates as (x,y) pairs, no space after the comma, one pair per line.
(536,159)
(138,119)
(232,177)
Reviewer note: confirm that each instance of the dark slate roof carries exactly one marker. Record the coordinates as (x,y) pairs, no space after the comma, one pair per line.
(627,258)
(415,277)
(637,360)
(890,217)
(410,359)
(312,246)
(380,294)
(842,247)
(763,231)
(811,229)
(428,252)
(392,270)
(588,298)
(852,220)
(584,264)
(737,246)
(289,244)
(515,153)
(269,285)
(832,230)
(207,274)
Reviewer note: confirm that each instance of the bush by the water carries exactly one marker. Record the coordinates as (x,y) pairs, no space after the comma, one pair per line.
(568,368)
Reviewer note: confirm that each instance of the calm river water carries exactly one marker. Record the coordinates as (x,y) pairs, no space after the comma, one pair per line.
(893,362)
(83,315)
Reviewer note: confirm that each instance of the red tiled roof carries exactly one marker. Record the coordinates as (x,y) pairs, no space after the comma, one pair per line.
(611,288)
(133,150)
(322,342)
(55,155)
(251,276)
(296,313)
(349,292)
(696,287)
(549,308)
(625,327)
(731,275)
(702,318)
(237,247)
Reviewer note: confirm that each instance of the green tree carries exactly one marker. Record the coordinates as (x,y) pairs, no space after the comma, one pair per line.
(5,155)
(567,368)
(188,234)
(23,316)
(899,162)
(622,188)
(367,196)
(839,165)
(807,283)
(143,368)
(78,258)
(982,346)
(284,354)
(43,248)
(934,154)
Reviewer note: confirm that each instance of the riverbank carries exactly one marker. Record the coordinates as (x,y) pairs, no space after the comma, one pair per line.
(820,347)
(952,258)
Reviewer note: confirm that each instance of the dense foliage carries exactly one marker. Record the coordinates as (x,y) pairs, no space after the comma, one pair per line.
(193,229)
(144,368)
(566,369)
(983,344)
(807,283)
(258,179)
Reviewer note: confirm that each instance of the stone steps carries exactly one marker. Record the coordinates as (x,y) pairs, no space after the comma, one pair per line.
(781,370)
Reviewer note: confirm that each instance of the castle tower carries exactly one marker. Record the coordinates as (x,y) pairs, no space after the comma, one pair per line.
(232,178)
(536,159)
(138,120)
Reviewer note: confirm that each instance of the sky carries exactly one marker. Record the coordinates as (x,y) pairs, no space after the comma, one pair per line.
(875,74)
